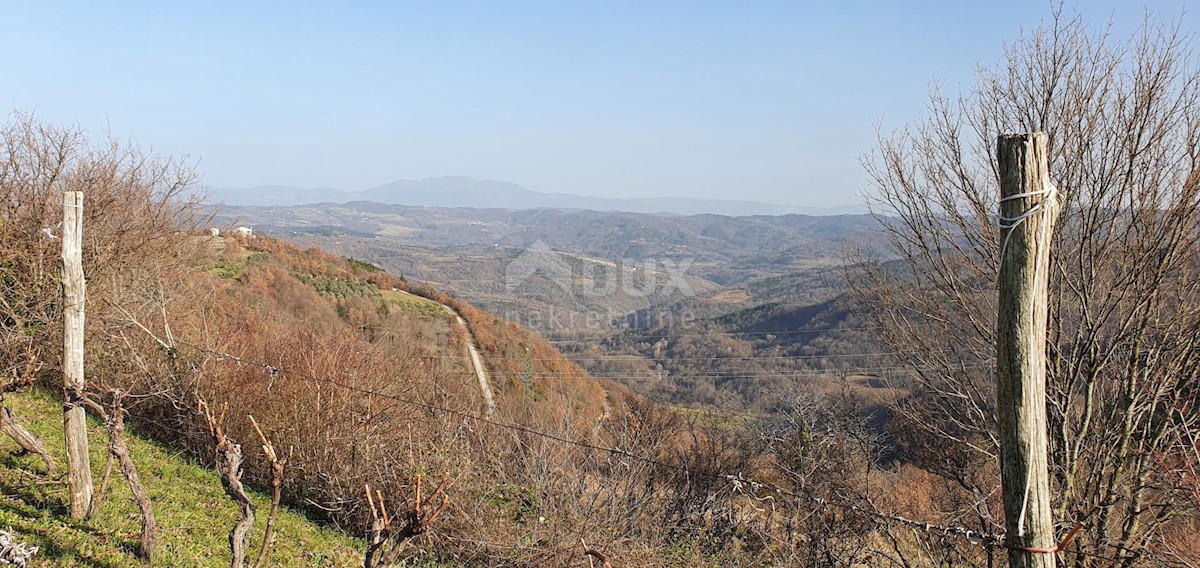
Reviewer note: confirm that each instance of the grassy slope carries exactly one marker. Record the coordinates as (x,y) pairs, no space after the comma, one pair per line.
(413,304)
(193,513)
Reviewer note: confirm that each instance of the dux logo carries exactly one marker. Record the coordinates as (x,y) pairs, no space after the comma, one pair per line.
(596,278)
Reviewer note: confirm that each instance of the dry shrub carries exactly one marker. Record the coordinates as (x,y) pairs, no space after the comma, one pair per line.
(134,205)
(352,392)
(364,395)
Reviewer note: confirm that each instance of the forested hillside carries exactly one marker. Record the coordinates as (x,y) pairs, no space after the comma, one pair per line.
(365,381)
(908,362)
(562,271)
(359,379)
(704,310)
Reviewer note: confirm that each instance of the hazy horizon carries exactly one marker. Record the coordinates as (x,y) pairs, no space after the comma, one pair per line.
(486,180)
(759,101)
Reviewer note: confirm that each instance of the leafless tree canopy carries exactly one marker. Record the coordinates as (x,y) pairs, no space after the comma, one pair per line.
(1123,118)
(136,206)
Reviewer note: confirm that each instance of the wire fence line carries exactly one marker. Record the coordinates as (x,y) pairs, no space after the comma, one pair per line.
(618,356)
(737,483)
(887,371)
(620,333)
(633,333)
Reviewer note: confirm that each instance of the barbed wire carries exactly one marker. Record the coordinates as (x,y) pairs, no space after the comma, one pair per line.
(736,482)
(989,539)
(800,374)
(619,356)
(616,333)
(881,371)
(619,333)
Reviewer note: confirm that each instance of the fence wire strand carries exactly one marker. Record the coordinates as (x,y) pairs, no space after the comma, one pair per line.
(989,540)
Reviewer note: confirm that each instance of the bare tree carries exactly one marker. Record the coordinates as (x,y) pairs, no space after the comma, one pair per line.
(139,209)
(1123,119)
(823,453)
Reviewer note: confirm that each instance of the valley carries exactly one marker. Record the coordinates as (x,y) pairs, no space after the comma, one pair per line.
(704,311)
(568,284)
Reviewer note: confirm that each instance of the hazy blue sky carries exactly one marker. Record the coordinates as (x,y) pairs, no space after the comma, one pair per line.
(771,101)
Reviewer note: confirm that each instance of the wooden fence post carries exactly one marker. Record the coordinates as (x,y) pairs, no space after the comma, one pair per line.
(1029,207)
(79,467)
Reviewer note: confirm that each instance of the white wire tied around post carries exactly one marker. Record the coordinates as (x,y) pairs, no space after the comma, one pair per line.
(1010,225)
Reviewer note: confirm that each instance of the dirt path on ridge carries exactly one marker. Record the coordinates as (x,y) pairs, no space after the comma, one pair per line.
(485,386)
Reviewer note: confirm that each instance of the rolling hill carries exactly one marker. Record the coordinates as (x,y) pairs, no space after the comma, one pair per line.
(608,264)
(600,283)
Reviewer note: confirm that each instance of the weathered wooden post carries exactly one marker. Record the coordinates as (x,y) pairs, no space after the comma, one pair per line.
(79,467)
(1029,207)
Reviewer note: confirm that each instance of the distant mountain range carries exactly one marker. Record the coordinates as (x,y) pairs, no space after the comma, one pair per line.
(476,193)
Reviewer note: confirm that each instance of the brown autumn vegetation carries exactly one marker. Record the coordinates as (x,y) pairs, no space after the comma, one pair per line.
(354,388)
(363,389)
(363,395)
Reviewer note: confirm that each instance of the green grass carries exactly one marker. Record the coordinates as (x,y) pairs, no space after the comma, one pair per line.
(412,304)
(193,513)
(227,270)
